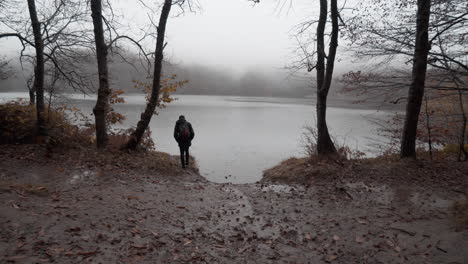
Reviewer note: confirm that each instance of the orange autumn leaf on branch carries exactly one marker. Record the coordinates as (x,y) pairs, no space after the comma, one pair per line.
(168,86)
(112,116)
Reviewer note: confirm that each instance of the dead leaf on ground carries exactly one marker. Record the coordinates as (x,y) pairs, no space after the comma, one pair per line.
(41,232)
(243,249)
(390,243)
(331,258)
(139,246)
(81,253)
(54,250)
(360,239)
(55,197)
(73,229)
(20,244)
(14,258)
(362,221)
(59,206)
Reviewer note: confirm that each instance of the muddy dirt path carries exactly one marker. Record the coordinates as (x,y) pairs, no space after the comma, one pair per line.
(68,216)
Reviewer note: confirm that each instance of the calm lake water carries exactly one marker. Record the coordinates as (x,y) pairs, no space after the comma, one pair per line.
(236,138)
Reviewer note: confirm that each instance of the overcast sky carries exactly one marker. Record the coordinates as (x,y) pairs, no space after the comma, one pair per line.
(231,34)
(234,33)
(228,34)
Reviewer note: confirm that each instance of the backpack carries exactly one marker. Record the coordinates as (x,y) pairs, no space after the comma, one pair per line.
(184,131)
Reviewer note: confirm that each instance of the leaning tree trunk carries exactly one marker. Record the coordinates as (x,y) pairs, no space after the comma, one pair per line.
(416,90)
(102,103)
(142,125)
(38,85)
(325,145)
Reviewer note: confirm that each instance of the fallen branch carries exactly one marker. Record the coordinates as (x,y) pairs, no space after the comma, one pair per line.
(342,189)
(439,248)
(404,231)
(82,253)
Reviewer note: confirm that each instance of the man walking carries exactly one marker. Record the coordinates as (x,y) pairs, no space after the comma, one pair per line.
(183,134)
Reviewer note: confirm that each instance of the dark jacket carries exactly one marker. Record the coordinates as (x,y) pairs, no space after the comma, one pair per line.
(186,143)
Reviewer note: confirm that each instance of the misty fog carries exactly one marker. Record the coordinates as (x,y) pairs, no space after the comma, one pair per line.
(222,47)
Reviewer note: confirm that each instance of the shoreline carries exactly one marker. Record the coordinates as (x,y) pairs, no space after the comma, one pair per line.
(333,102)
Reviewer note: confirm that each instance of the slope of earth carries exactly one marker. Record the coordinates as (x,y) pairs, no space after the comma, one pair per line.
(74,215)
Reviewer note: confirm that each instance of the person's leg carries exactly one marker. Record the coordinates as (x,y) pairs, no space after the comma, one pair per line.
(182,156)
(187,156)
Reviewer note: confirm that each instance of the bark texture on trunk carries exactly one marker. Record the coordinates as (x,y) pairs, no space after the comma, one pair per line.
(32,96)
(416,90)
(38,85)
(324,75)
(428,127)
(102,103)
(461,149)
(146,116)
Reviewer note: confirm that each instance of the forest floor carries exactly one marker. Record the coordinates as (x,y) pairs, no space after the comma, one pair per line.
(56,210)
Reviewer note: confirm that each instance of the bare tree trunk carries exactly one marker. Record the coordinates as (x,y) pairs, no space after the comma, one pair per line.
(39,69)
(324,76)
(102,103)
(142,125)
(32,96)
(416,90)
(463,130)
(428,127)
(32,93)
(51,89)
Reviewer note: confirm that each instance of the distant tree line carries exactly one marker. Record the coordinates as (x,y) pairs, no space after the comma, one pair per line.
(202,80)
